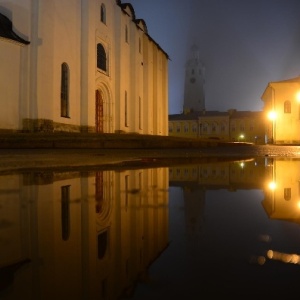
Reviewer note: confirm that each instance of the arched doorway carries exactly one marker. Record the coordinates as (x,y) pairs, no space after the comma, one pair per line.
(99,112)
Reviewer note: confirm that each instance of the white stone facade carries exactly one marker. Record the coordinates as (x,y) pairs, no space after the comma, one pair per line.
(82,66)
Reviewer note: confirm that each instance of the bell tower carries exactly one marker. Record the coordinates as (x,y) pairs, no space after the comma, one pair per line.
(194,96)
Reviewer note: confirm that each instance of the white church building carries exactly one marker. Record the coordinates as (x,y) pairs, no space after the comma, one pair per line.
(80,66)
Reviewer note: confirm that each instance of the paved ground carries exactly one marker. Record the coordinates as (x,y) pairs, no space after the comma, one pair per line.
(28,159)
(23,151)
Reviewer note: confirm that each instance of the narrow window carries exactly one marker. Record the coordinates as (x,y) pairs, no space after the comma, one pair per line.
(140,113)
(65,212)
(102,244)
(213,127)
(140,46)
(99,194)
(194,128)
(126,34)
(287,194)
(101,58)
(287,107)
(64,91)
(103,13)
(104,285)
(223,127)
(186,127)
(126,191)
(126,110)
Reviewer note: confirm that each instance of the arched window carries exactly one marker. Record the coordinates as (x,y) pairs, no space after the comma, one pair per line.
(287,107)
(101,58)
(103,13)
(64,91)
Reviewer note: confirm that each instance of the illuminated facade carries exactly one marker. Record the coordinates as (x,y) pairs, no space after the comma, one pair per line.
(80,66)
(281,105)
(230,126)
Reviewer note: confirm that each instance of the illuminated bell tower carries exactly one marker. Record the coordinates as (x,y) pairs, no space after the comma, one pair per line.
(194,96)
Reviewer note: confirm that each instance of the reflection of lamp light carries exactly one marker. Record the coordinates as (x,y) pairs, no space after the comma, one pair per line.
(272,116)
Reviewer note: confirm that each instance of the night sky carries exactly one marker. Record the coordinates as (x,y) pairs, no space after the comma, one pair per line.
(244,44)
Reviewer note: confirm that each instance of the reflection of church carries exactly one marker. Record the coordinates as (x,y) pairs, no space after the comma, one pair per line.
(76,233)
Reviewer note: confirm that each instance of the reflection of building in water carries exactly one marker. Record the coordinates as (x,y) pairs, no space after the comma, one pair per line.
(231,175)
(282,190)
(87,235)
(195,179)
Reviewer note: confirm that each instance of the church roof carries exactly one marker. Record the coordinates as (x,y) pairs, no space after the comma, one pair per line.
(7,32)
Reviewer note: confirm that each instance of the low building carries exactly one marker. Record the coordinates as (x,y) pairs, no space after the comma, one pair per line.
(85,66)
(230,126)
(281,105)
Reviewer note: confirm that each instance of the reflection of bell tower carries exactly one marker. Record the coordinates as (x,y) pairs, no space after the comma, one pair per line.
(194,96)
(194,207)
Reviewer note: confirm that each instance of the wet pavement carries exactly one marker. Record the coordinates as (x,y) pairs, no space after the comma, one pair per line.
(18,159)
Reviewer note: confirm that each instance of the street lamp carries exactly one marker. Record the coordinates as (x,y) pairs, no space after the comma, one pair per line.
(298,100)
(298,96)
(272,116)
